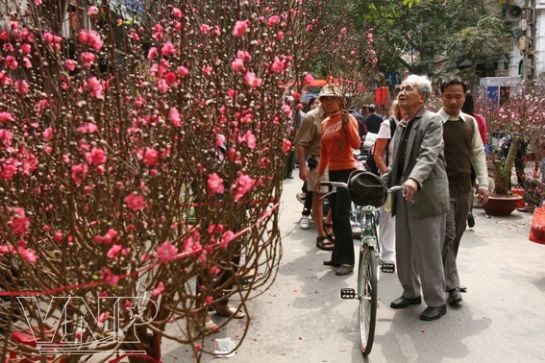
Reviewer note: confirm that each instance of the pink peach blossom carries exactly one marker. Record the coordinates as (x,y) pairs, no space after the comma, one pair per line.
(19,222)
(278,65)
(177,13)
(215,184)
(90,38)
(78,173)
(8,168)
(240,28)
(11,62)
(5,117)
(27,254)
(237,65)
(159,289)
(182,71)
(166,252)
(273,20)
(167,49)
(227,237)
(308,79)
(92,11)
(96,156)
(286,146)
(242,185)
(134,201)
(174,117)
(251,80)
(249,139)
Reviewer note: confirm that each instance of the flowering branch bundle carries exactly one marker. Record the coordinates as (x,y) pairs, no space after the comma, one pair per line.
(141,154)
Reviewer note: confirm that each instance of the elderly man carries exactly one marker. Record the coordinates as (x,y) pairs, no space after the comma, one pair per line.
(464,150)
(419,165)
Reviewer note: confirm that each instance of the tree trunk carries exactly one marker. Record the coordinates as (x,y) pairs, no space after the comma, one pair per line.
(502,169)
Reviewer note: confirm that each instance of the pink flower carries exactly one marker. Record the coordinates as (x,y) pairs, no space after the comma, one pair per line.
(5,117)
(134,201)
(108,238)
(6,249)
(70,64)
(78,173)
(242,185)
(152,53)
(237,65)
(21,87)
(159,289)
(167,49)
(37,2)
(177,13)
(8,168)
(109,277)
(280,35)
(41,106)
(227,237)
(166,252)
(251,80)
(87,59)
(117,250)
(273,20)
(215,183)
(278,65)
(19,222)
(95,88)
(308,79)
(182,71)
(96,156)
(26,48)
(11,62)
(90,38)
(157,32)
(92,11)
(174,117)
(250,139)
(205,28)
(240,28)
(286,146)
(244,55)
(88,128)
(150,156)
(6,137)
(27,254)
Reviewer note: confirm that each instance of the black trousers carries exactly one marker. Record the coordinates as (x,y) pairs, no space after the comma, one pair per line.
(340,204)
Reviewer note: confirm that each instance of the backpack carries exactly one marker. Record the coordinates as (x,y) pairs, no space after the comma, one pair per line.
(371,164)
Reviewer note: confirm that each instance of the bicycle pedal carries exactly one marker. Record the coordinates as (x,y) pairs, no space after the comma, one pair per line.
(388,267)
(348,293)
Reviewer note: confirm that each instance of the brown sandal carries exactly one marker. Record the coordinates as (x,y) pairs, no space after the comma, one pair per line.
(329,226)
(324,243)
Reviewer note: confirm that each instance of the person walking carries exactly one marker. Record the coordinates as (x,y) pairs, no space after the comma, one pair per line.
(373,120)
(419,165)
(339,137)
(464,152)
(308,146)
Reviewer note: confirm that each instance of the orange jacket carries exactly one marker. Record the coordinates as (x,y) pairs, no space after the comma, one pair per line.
(337,155)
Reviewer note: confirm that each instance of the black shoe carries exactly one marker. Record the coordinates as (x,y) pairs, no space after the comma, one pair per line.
(330,263)
(470,220)
(454,296)
(433,312)
(344,270)
(403,302)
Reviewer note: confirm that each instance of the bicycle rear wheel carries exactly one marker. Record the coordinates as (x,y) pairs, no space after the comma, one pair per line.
(367,294)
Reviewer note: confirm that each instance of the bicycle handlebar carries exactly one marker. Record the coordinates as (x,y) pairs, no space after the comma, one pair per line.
(336,185)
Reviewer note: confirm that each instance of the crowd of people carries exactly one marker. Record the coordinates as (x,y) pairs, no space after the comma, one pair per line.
(438,157)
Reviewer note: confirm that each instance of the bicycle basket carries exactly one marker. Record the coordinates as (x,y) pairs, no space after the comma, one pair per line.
(367,189)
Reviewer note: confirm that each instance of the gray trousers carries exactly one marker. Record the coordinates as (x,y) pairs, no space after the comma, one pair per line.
(455,227)
(418,255)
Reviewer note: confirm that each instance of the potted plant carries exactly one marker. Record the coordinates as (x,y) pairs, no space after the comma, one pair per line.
(513,126)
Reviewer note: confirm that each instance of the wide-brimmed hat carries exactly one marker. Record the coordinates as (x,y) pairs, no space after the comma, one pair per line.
(330,90)
(367,188)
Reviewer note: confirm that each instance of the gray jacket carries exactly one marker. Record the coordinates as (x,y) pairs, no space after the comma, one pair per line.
(425,163)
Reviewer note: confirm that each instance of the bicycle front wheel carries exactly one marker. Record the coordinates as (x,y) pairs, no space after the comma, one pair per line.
(367,294)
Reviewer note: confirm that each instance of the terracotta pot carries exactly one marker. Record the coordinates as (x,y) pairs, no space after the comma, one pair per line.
(501,205)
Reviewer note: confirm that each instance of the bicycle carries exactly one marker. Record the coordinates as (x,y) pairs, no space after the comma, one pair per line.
(369,252)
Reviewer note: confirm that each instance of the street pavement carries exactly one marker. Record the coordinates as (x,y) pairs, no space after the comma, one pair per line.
(302,318)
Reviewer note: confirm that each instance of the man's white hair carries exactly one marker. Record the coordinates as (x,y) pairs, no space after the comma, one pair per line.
(421,83)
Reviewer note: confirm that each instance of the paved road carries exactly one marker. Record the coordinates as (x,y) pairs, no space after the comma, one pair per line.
(302,318)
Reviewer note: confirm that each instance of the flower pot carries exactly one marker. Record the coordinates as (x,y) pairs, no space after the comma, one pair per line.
(501,205)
